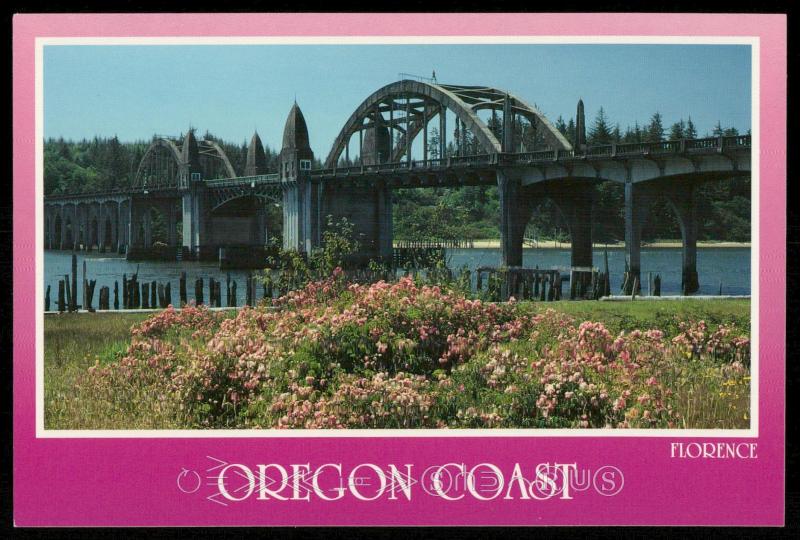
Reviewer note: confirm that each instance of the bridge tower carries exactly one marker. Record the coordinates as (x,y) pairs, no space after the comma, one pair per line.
(255,165)
(580,128)
(195,213)
(301,197)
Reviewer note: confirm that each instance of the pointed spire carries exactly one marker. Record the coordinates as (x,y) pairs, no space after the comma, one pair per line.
(190,152)
(295,133)
(256,158)
(580,126)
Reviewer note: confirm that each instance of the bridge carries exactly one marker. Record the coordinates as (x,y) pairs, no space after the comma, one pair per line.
(195,187)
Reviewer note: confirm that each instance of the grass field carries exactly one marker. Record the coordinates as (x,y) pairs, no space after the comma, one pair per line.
(75,342)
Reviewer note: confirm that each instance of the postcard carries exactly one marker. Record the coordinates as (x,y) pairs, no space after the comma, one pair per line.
(399,270)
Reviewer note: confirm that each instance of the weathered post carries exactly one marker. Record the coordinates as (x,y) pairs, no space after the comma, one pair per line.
(102,301)
(116,295)
(74,287)
(89,294)
(635,287)
(61,296)
(125,304)
(145,295)
(228,288)
(248,291)
(161,303)
(657,285)
(85,301)
(137,300)
(182,288)
(47,299)
(720,287)
(153,292)
(198,291)
(232,295)
(68,292)
(167,294)
(558,287)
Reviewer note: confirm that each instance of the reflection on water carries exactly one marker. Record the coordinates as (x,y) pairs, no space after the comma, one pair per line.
(729,266)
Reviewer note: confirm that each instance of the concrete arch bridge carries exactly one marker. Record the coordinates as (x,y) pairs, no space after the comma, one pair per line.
(398,138)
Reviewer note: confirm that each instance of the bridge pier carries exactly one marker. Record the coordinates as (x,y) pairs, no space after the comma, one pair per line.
(680,194)
(514,215)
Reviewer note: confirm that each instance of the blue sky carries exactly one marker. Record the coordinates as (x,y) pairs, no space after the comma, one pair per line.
(137,91)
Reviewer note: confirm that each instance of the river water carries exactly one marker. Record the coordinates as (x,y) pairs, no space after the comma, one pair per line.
(729,266)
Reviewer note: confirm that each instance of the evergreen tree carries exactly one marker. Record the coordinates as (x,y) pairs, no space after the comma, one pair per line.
(655,131)
(600,133)
(677,131)
(572,136)
(691,131)
(717,130)
(616,136)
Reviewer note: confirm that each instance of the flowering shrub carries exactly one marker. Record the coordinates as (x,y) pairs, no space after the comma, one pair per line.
(403,355)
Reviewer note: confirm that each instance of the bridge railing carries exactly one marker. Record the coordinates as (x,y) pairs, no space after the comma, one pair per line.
(273,178)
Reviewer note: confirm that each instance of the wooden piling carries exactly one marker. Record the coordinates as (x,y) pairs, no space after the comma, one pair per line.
(161,303)
(228,288)
(125,304)
(47,299)
(232,295)
(153,294)
(73,306)
(102,301)
(116,295)
(68,292)
(182,289)
(61,303)
(635,287)
(198,291)
(657,285)
(89,294)
(167,294)
(137,299)
(85,300)
(145,295)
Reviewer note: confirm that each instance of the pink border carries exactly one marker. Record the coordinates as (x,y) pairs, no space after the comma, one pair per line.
(132,481)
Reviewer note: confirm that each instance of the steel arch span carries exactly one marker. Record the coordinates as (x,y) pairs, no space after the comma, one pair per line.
(429,101)
(164,162)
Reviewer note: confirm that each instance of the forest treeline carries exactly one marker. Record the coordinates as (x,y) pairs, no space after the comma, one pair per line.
(453,213)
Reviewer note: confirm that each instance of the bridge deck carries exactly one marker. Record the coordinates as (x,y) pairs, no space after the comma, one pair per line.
(622,151)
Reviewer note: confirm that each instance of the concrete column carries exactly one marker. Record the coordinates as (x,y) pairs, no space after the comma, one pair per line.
(114,217)
(512,225)
(290,203)
(187,226)
(101,230)
(683,203)
(62,242)
(384,215)
(133,224)
(637,203)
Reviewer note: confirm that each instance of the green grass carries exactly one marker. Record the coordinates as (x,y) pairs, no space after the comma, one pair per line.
(663,315)
(72,343)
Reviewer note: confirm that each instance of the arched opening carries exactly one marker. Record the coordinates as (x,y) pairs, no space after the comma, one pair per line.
(107,233)
(57,233)
(69,234)
(244,221)
(93,239)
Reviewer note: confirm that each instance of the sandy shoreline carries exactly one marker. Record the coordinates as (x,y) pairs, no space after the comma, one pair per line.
(550,244)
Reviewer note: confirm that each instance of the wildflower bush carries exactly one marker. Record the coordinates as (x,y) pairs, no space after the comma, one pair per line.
(407,355)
